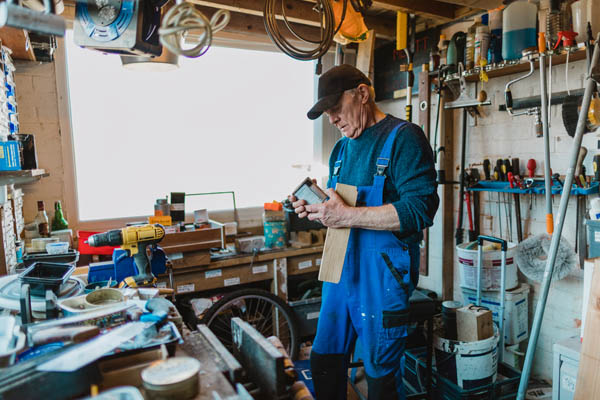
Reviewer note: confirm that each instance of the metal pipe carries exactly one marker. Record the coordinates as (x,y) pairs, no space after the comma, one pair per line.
(546,134)
(502,305)
(479,270)
(461,180)
(564,202)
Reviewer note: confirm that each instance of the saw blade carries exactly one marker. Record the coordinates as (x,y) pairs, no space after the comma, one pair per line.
(81,355)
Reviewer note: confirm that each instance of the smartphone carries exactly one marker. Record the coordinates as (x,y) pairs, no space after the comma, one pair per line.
(310,192)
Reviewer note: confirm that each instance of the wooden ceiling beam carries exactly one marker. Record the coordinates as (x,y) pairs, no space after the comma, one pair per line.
(300,12)
(478,4)
(431,9)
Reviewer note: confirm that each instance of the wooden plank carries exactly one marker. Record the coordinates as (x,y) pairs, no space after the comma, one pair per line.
(183,242)
(424,122)
(279,285)
(588,375)
(18,41)
(336,241)
(188,247)
(481,4)
(447,201)
(366,51)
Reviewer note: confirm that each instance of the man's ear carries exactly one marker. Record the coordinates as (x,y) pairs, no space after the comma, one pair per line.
(363,90)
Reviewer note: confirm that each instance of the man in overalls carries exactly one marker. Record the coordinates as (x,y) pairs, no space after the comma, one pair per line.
(391,163)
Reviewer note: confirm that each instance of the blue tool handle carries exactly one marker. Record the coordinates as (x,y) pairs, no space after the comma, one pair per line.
(502,242)
(159,310)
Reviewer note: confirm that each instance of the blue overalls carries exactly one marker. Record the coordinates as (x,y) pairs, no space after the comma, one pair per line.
(368,302)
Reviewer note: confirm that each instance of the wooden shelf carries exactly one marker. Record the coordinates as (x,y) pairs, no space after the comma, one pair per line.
(21,177)
(523,66)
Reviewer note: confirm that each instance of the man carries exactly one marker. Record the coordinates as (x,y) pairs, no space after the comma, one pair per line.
(391,163)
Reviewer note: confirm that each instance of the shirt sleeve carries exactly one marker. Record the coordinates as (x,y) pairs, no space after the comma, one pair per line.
(414,177)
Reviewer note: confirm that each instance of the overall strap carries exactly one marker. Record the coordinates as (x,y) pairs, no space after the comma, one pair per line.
(384,158)
(338,163)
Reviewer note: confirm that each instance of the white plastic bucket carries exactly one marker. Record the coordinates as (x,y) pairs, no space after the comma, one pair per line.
(492,260)
(518,29)
(516,319)
(468,364)
(584,11)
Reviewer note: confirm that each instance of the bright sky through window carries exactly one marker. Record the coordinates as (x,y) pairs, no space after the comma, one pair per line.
(230,120)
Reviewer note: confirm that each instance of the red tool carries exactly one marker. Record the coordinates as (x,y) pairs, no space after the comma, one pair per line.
(567,37)
(531,165)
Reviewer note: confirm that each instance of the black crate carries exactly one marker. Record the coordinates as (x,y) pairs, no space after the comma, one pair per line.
(307,315)
(42,276)
(70,257)
(505,387)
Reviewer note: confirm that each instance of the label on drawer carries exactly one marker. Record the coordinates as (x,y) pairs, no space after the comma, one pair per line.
(312,315)
(175,256)
(232,281)
(186,288)
(305,264)
(260,269)
(318,262)
(597,236)
(161,285)
(215,273)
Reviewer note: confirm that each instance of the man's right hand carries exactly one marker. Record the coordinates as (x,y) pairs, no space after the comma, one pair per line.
(298,206)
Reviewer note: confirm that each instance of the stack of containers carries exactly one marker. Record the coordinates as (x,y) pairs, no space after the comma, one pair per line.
(516,296)
(10,111)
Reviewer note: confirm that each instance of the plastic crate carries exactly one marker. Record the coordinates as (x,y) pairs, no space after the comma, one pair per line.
(593,237)
(71,257)
(307,314)
(505,387)
(84,248)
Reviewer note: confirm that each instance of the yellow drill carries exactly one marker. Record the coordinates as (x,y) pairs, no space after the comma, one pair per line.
(134,240)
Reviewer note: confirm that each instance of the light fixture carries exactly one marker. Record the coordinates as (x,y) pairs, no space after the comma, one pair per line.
(167,61)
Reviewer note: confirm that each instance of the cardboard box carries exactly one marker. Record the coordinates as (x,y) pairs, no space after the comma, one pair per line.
(248,244)
(474,323)
(9,156)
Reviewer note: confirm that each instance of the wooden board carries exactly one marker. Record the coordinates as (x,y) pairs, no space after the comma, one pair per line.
(192,259)
(366,51)
(18,41)
(588,376)
(182,242)
(336,242)
(424,122)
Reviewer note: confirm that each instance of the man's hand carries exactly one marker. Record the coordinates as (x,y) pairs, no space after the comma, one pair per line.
(334,213)
(298,206)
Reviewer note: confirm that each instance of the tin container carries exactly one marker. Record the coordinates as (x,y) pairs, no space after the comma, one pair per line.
(172,379)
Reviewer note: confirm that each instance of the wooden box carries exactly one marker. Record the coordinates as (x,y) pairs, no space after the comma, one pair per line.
(474,323)
(183,242)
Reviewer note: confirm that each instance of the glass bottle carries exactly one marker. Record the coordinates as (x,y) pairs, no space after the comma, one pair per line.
(59,222)
(41,220)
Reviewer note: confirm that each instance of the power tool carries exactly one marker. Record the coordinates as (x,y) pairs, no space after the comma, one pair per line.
(135,240)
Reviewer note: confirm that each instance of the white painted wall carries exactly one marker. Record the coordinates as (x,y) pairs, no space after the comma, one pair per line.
(500,135)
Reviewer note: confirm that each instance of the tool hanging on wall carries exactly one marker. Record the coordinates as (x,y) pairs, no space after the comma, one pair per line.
(128,28)
(468,105)
(590,87)
(317,47)
(405,41)
(184,17)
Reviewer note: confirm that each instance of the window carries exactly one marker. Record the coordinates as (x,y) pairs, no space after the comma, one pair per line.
(232,119)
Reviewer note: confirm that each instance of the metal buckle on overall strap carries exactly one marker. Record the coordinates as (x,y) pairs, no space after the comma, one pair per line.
(336,168)
(382,164)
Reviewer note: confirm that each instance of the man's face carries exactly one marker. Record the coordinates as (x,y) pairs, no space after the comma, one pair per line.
(346,114)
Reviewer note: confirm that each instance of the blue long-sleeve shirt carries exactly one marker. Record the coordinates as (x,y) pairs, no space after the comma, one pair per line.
(411,179)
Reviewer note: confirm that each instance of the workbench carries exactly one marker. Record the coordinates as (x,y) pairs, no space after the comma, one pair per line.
(272,265)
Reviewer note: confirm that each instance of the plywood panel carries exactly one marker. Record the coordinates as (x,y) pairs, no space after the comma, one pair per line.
(336,241)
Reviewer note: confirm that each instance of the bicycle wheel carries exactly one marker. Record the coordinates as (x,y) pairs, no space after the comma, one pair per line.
(267,313)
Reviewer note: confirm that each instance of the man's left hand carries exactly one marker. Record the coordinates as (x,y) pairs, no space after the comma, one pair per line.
(334,213)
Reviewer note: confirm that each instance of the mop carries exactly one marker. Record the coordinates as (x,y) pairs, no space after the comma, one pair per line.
(532,254)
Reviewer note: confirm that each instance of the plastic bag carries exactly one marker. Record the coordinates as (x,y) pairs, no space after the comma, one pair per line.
(353,28)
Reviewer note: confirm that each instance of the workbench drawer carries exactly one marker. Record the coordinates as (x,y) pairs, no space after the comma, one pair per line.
(303,264)
(198,281)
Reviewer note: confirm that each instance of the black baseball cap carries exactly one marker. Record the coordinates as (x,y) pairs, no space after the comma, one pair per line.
(332,84)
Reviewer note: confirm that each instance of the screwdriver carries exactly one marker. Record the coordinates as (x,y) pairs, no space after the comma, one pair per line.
(486,169)
(531,165)
(501,175)
(597,167)
(516,167)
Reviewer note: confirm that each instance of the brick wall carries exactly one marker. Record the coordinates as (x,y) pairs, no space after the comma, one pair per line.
(38,115)
(500,135)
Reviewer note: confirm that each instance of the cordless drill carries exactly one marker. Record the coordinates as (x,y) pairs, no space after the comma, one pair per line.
(134,240)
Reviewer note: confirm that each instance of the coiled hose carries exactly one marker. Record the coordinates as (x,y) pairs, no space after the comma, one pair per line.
(321,46)
(184,17)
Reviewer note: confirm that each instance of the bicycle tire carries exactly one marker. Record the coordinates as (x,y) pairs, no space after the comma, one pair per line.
(256,307)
